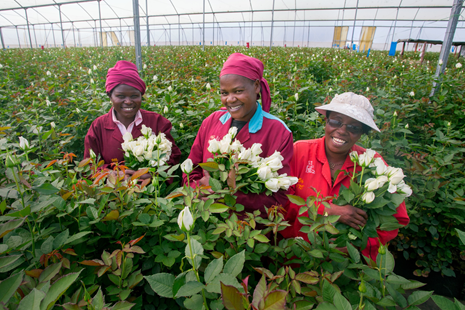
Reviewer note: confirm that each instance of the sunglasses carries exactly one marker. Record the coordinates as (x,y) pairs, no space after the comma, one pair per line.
(350,128)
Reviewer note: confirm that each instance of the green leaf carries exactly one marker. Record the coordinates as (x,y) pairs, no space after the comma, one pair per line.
(213,269)
(388,261)
(378,202)
(297,200)
(261,238)
(189,289)
(217,305)
(47,246)
(215,184)
(412,285)
(77,237)
(398,280)
(50,272)
(353,252)
(32,300)
(348,195)
(162,284)
(232,298)
(197,251)
(57,289)
(90,201)
(21,213)
(235,264)
(122,305)
(443,302)
(276,300)
(60,239)
(390,226)
(387,301)
(98,301)
(218,208)
(259,291)
(326,306)
(9,286)
(459,305)
(215,287)
(9,226)
(419,297)
(6,261)
(328,291)
(179,281)
(46,189)
(3,206)
(303,305)
(341,303)
(461,235)
(194,303)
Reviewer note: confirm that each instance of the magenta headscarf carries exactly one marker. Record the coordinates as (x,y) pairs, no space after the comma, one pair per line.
(124,72)
(251,68)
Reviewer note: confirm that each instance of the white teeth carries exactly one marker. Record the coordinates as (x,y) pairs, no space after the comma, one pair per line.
(233,109)
(127,109)
(338,141)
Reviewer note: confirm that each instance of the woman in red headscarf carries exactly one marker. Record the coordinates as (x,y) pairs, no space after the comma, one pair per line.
(125,89)
(241,84)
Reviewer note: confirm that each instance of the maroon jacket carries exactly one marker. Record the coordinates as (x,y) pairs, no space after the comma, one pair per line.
(105,138)
(263,128)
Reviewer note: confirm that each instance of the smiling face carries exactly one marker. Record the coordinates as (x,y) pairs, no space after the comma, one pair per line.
(126,102)
(239,96)
(339,141)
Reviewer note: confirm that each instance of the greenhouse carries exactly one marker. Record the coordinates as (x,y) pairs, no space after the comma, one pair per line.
(207,154)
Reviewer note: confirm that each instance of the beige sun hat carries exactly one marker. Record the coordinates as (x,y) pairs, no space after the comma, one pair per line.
(355,106)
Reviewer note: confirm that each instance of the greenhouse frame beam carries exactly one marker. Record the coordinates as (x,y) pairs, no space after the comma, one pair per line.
(45,5)
(448,38)
(28,28)
(272,22)
(203,29)
(1,37)
(100,20)
(147,18)
(61,26)
(137,34)
(353,28)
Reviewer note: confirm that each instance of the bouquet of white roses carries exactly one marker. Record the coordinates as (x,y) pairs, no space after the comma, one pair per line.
(378,190)
(243,169)
(149,150)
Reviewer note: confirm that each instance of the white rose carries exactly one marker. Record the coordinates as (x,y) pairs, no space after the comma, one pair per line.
(92,154)
(368,197)
(458,66)
(208,86)
(236,146)
(404,189)
(392,188)
(213,146)
(395,175)
(49,73)
(23,143)
(146,131)
(371,184)
(382,179)
(187,166)
(272,185)
(353,156)
(245,154)
(95,67)
(185,219)
(274,163)
(264,173)
(165,110)
(412,94)
(139,151)
(284,183)
(256,149)
(296,96)
(232,132)
(48,103)
(381,167)
(170,88)
(127,136)
(53,125)
(90,71)
(148,155)
(276,154)
(224,146)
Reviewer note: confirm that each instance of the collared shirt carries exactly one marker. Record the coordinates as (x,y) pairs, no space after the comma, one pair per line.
(137,120)
(311,166)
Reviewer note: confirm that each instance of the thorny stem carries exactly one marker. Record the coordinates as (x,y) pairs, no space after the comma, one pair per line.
(195,269)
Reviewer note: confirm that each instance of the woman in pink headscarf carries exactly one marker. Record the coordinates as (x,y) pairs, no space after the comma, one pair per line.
(125,89)
(241,85)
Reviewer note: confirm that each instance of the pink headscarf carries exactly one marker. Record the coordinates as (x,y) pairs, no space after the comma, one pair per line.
(124,72)
(251,68)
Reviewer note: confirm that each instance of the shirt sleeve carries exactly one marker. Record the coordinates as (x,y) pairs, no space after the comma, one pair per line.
(92,142)
(196,155)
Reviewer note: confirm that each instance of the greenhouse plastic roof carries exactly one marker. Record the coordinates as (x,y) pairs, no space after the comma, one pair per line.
(84,13)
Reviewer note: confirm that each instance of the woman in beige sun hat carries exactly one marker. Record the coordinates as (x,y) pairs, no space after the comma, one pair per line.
(320,165)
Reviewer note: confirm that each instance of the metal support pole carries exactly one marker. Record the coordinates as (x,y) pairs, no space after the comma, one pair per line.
(272,24)
(121,33)
(74,34)
(284,36)
(308,36)
(353,31)
(213,30)
(135,13)
(54,41)
(170,34)
(395,22)
(147,17)
(295,17)
(28,28)
(192,33)
(79,38)
(179,29)
(203,30)
(17,33)
(3,43)
(35,36)
(251,32)
(446,45)
(61,26)
(100,19)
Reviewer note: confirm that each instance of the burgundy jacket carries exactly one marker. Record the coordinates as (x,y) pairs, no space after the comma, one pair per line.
(105,138)
(263,128)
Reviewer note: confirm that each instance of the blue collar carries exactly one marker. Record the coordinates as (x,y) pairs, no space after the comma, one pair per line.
(255,123)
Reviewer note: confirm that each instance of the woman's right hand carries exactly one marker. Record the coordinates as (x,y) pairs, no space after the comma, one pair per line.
(352,216)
